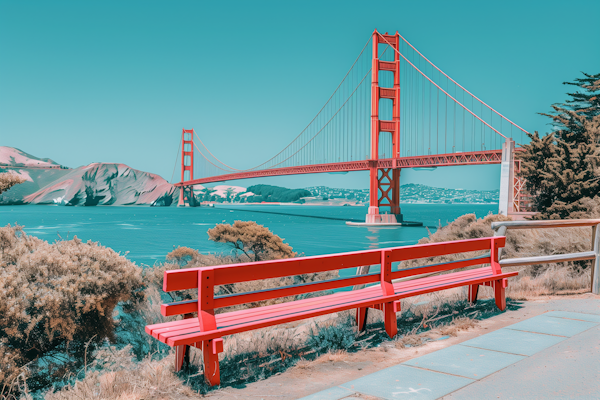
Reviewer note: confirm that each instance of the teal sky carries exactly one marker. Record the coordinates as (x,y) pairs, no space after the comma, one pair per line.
(116,81)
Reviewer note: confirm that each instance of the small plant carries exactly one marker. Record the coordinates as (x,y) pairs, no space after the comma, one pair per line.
(333,337)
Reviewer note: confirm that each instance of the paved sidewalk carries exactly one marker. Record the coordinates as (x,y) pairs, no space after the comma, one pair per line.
(553,355)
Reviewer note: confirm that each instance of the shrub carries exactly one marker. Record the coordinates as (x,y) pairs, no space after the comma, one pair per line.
(57,302)
(253,240)
(8,180)
(333,337)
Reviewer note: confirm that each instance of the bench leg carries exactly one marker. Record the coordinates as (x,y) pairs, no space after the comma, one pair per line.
(391,324)
(500,293)
(180,355)
(361,318)
(210,352)
(472,295)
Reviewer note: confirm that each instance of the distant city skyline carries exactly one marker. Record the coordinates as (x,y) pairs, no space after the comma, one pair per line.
(117,81)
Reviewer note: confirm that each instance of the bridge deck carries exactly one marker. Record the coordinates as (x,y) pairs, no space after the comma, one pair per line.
(439,160)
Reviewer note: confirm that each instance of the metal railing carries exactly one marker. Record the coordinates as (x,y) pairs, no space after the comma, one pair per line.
(594,254)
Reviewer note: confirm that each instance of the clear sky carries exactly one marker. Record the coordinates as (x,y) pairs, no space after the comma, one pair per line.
(116,81)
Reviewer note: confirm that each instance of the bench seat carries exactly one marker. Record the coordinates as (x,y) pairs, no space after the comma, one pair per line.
(187,331)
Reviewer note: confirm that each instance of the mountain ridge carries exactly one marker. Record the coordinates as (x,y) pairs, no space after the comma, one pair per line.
(47,182)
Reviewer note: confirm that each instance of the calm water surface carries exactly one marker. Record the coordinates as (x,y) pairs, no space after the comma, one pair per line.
(149,233)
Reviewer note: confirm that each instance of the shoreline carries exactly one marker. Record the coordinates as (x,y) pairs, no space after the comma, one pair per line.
(340,205)
(248,204)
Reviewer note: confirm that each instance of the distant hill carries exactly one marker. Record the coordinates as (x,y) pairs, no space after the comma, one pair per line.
(13,157)
(105,184)
(275,194)
(412,193)
(96,184)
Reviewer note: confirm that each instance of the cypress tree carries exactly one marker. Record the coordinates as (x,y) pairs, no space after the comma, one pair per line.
(562,168)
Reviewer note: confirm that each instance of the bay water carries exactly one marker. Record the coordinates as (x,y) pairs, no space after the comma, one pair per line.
(147,234)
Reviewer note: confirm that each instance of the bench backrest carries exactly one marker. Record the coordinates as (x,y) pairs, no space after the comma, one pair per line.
(205,278)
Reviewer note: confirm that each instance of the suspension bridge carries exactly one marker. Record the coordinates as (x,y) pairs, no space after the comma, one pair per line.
(393,109)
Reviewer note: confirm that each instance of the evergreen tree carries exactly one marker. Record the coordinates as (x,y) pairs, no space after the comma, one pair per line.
(562,168)
(587,102)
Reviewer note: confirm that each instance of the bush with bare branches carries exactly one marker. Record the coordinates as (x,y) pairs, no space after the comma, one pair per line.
(8,180)
(253,240)
(57,302)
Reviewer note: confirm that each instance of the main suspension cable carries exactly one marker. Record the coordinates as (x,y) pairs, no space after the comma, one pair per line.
(457,84)
(436,85)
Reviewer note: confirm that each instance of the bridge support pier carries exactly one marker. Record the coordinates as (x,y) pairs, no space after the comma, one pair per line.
(507,178)
(186,197)
(181,202)
(384,192)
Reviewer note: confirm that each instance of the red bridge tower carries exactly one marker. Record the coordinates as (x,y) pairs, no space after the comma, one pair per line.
(385,182)
(186,193)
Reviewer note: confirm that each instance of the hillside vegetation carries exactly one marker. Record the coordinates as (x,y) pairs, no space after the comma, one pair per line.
(276,194)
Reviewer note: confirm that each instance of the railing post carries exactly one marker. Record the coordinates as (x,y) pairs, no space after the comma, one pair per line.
(596,265)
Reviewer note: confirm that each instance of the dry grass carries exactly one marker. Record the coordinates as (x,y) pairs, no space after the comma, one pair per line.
(534,280)
(552,281)
(121,378)
(331,356)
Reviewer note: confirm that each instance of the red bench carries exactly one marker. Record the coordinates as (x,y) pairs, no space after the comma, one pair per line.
(207,329)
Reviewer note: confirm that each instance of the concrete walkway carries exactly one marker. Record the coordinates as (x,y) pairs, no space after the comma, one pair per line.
(553,355)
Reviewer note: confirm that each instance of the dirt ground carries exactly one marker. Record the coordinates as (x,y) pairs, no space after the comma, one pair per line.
(309,377)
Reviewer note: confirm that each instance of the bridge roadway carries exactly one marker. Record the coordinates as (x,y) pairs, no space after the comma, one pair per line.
(438,160)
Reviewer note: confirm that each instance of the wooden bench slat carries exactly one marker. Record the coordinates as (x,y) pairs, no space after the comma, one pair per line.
(444,248)
(485,259)
(293,290)
(191,306)
(234,273)
(287,308)
(179,307)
